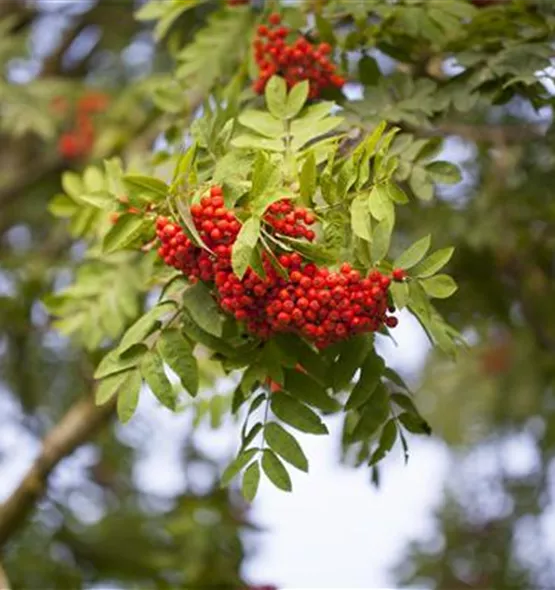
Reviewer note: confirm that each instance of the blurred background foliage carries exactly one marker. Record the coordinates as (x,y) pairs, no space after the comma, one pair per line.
(493,409)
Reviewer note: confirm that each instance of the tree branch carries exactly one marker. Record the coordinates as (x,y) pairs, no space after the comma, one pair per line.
(78,425)
(4,582)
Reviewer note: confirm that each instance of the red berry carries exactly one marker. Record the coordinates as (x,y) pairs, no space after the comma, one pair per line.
(274,18)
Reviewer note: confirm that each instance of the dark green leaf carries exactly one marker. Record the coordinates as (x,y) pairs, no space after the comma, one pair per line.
(351,357)
(251,434)
(373,414)
(414,423)
(372,371)
(128,396)
(251,479)
(444,172)
(285,445)
(387,440)
(275,471)
(152,370)
(368,71)
(203,309)
(296,414)
(178,355)
(306,389)
(236,465)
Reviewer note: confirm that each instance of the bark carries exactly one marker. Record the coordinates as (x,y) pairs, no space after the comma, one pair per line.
(78,425)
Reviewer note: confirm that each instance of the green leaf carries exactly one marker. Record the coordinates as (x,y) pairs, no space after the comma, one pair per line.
(308,179)
(414,423)
(275,471)
(236,465)
(394,377)
(413,254)
(152,370)
(373,414)
(296,414)
(439,286)
(400,294)
(379,204)
(203,309)
(444,172)
(352,355)
(285,445)
(372,371)
(152,188)
(262,122)
(244,245)
(109,386)
(249,436)
(368,71)
(255,142)
(72,184)
(265,177)
(145,325)
(381,238)
(396,193)
(113,362)
(251,480)
(305,388)
(187,218)
(276,97)
(436,261)
(128,396)
(420,184)
(360,218)
(178,355)
(296,99)
(127,230)
(99,200)
(305,355)
(387,440)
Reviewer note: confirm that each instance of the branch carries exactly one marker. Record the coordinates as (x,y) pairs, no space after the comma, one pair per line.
(78,425)
(497,134)
(4,582)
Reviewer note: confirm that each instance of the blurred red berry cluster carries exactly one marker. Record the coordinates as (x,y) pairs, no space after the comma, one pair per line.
(322,305)
(295,61)
(79,140)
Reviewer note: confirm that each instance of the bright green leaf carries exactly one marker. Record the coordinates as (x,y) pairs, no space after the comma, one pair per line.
(413,254)
(436,261)
(439,286)
(244,245)
(296,99)
(276,97)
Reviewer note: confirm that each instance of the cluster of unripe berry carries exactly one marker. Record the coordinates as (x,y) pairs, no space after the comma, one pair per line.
(295,61)
(322,305)
(78,141)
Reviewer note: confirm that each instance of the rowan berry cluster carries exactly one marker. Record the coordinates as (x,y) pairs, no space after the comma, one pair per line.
(288,220)
(322,305)
(295,61)
(79,140)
